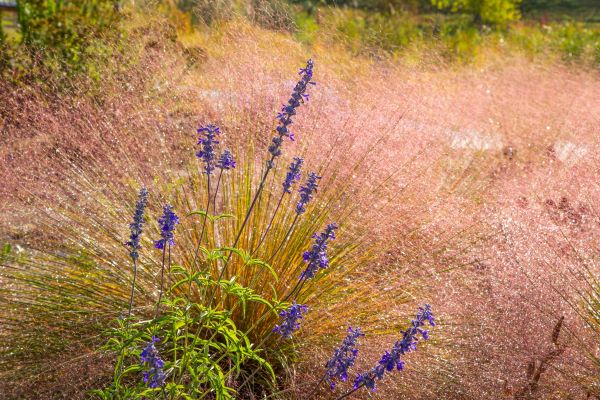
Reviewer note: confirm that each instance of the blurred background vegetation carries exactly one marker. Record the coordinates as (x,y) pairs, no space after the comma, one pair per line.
(65,37)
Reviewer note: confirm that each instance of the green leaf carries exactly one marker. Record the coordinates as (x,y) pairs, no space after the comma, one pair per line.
(177,325)
(242,253)
(259,262)
(221,216)
(209,216)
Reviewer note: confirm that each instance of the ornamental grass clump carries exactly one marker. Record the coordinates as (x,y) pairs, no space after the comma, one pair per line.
(194,346)
(76,278)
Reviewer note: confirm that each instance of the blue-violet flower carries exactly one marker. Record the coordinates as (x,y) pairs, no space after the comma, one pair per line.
(391,359)
(293,174)
(155,376)
(307,191)
(207,142)
(288,110)
(316,257)
(291,320)
(167,224)
(343,357)
(226,160)
(136,225)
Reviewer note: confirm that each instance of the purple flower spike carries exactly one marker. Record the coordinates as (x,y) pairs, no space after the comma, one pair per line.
(293,174)
(155,376)
(291,320)
(391,359)
(288,110)
(207,142)
(343,357)
(307,192)
(226,160)
(167,225)
(136,225)
(316,257)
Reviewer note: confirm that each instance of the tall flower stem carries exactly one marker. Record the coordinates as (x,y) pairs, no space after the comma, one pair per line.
(264,235)
(350,392)
(203,221)
(297,97)
(132,288)
(299,286)
(134,239)
(217,191)
(287,234)
(315,389)
(246,218)
(162,280)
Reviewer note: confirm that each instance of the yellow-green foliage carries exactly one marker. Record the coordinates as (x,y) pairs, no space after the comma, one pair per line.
(494,12)
(64,36)
(455,37)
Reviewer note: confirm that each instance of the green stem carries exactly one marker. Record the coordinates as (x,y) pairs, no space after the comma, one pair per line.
(162,279)
(132,288)
(203,223)
(284,238)
(350,392)
(216,191)
(263,237)
(316,388)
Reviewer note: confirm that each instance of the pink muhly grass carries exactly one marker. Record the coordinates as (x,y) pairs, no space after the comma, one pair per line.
(455,176)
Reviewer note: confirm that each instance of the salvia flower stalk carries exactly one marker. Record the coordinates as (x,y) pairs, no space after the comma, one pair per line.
(167,224)
(307,192)
(293,174)
(392,359)
(291,320)
(317,257)
(343,358)
(134,238)
(137,224)
(288,110)
(207,142)
(226,161)
(298,96)
(154,377)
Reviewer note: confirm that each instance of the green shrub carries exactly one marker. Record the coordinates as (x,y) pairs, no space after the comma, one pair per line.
(65,36)
(492,12)
(202,348)
(575,42)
